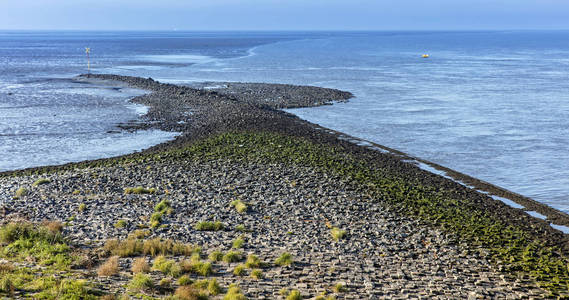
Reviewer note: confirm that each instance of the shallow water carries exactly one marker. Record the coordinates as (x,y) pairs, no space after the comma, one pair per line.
(493,105)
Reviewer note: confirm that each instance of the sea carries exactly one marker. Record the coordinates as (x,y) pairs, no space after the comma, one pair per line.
(490,104)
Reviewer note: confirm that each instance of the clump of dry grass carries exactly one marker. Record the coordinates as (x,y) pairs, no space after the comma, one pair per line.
(6,267)
(188,292)
(153,247)
(53,226)
(140,265)
(110,267)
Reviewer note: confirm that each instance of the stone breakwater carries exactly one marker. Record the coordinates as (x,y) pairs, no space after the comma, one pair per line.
(387,252)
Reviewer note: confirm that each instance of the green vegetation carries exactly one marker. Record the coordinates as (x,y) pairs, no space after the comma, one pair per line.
(163,206)
(232,256)
(294,295)
(337,233)
(160,210)
(339,288)
(252,261)
(201,289)
(139,190)
(41,181)
(82,207)
(67,289)
(239,270)
(44,244)
(166,266)
(211,286)
(120,224)
(239,205)
(215,256)
(234,293)
(209,226)
(241,228)
(184,280)
(140,282)
(195,265)
(165,283)
(238,243)
(21,192)
(257,274)
(284,260)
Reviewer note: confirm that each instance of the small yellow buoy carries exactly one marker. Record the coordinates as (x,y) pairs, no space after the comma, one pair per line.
(425,55)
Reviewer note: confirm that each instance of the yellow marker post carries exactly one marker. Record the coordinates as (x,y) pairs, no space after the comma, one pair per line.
(87,51)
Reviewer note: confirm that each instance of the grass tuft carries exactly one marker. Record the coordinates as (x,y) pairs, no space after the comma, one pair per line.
(209,226)
(238,243)
(21,192)
(284,260)
(110,267)
(141,282)
(140,265)
(120,224)
(252,261)
(337,233)
(257,274)
(139,190)
(153,247)
(215,256)
(294,295)
(234,293)
(166,266)
(184,280)
(339,288)
(188,292)
(41,181)
(232,256)
(239,270)
(239,205)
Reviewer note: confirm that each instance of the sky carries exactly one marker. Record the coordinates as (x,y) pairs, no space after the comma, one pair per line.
(283,14)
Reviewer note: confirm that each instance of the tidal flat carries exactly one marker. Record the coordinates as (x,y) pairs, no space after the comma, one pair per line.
(252,202)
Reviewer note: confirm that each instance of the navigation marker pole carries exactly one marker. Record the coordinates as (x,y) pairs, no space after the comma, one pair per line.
(87,51)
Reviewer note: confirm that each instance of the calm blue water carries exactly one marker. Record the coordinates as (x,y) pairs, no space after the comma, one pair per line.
(494,105)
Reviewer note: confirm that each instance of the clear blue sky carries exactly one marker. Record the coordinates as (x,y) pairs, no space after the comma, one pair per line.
(284,14)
